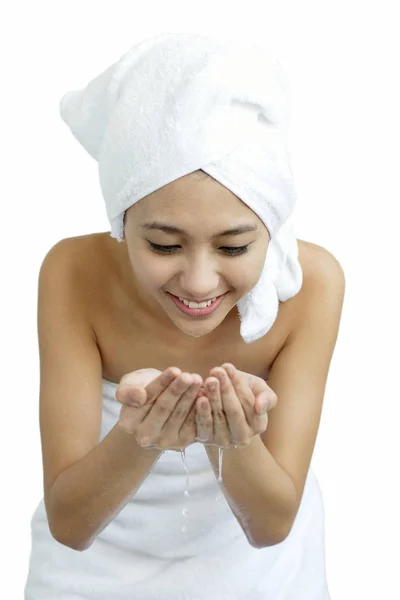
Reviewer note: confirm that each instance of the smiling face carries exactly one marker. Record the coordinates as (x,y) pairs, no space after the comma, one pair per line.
(201,262)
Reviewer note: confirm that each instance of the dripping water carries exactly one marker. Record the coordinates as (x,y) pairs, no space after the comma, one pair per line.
(220,451)
(186,492)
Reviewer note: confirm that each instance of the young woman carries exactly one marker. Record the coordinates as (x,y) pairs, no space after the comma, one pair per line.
(123,516)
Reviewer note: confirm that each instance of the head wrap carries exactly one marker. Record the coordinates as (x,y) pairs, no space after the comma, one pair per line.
(180,102)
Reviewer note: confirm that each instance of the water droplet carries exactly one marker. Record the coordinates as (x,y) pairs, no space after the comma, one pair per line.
(220,451)
(186,491)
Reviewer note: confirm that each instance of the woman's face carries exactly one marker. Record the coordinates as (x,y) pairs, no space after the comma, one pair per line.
(199,266)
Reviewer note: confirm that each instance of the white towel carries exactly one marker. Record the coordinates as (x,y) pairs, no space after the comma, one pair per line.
(179,102)
(143,553)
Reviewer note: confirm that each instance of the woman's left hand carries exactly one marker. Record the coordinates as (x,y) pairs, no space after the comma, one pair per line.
(236,411)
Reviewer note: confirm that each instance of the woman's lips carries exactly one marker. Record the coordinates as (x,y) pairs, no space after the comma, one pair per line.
(197,312)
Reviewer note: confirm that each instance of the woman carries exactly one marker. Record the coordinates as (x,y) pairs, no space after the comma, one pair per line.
(121,516)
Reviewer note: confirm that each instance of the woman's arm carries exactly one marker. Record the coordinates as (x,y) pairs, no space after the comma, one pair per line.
(88,495)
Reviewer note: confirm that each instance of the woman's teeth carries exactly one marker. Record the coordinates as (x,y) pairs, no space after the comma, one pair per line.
(195,304)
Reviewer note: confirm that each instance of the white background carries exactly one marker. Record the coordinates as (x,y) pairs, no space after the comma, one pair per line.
(344,146)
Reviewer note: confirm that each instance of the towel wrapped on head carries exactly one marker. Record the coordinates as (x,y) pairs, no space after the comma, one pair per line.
(180,102)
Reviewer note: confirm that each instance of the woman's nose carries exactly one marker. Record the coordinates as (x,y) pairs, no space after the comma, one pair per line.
(199,290)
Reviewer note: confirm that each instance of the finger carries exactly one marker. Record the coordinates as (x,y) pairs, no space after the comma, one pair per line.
(256,417)
(166,402)
(140,393)
(240,382)
(202,391)
(262,391)
(156,387)
(263,403)
(260,416)
(204,420)
(131,395)
(180,414)
(188,432)
(190,421)
(236,418)
(140,377)
(221,429)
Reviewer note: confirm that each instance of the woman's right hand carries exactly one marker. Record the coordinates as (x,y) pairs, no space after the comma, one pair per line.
(165,418)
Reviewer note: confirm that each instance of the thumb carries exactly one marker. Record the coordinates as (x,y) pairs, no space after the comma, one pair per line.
(201,392)
(139,378)
(131,395)
(265,401)
(131,390)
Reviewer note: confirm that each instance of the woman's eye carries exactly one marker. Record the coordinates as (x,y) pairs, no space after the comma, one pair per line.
(230,250)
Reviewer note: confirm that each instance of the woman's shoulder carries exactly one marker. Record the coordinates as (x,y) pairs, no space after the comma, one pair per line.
(318,264)
(310,254)
(94,258)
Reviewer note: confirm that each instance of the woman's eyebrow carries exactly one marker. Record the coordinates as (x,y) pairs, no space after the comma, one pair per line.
(167,228)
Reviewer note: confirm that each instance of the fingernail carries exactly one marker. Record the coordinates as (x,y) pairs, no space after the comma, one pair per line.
(262,402)
(133,400)
(170,376)
(230,370)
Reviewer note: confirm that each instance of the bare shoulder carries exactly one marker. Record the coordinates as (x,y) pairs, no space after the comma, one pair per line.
(319,265)
(68,250)
(88,259)
(323,281)
(79,251)
(84,262)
